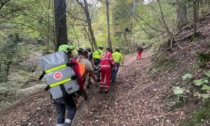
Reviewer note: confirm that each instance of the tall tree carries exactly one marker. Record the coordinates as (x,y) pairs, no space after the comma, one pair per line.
(163,20)
(60,22)
(88,19)
(108,24)
(195,16)
(181,13)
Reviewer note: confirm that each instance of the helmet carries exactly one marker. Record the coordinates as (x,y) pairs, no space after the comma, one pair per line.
(72,47)
(117,49)
(100,47)
(64,48)
(88,49)
(80,51)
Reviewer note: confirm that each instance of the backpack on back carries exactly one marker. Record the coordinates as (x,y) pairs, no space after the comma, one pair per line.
(82,68)
(59,77)
(141,49)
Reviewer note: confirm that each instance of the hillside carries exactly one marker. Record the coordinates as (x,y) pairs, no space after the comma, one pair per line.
(140,97)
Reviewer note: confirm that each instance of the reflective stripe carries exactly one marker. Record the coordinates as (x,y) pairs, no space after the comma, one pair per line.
(105,66)
(106,86)
(55,68)
(67,120)
(105,59)
(60,125)
(60,82)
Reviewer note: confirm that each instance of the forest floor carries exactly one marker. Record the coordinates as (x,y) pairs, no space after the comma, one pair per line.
(135,99)
(141,95)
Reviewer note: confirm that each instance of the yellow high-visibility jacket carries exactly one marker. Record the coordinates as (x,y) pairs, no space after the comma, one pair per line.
(97,54)
(118,57)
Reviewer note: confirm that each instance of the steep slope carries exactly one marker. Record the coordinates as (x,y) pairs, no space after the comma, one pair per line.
(138,98)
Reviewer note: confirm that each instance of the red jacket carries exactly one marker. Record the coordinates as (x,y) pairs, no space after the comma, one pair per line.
(107,61)
(75,67)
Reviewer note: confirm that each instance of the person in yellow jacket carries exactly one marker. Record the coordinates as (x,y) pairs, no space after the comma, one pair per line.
(96,59)
(118,58)
(97,55)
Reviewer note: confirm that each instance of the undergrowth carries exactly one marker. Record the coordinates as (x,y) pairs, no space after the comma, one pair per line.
(198,116)
(161,62)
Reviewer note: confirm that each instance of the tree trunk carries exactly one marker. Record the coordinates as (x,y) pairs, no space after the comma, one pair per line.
(163,20)
(89,24)
(91,44)
(208,6)
(195,16)
(108,24)
(181,14)
(48,28)
(169,35)
(60,23)
(8,65)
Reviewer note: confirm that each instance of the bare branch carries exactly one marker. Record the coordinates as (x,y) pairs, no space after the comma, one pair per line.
(3,3)
(137,17)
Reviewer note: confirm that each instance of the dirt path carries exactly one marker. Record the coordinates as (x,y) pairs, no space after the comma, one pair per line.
(130,102)
(134,100)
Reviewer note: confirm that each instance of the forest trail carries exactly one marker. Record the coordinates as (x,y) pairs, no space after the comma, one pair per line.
(133,100)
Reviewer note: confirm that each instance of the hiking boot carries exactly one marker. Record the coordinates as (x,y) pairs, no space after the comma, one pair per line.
(101,90)
(106,91)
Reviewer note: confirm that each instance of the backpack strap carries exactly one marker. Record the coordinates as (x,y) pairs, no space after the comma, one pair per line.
(42,75)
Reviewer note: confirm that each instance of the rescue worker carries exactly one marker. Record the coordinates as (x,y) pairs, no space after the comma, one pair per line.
(96,59)
(89,68)
(67,101)
(79,53)
(90,56)
(106,64)
(118,58)
(97,55)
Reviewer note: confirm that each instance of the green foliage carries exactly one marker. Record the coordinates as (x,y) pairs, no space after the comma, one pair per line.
(198,82)
(186,77)
(198,116)
(207,74)
(205,87)
(178,90)
(203,59)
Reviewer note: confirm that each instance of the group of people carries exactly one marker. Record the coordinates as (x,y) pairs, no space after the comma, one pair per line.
(105,63)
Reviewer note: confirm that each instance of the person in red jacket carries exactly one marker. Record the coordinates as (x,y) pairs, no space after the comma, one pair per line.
(139,49)
(106,65)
